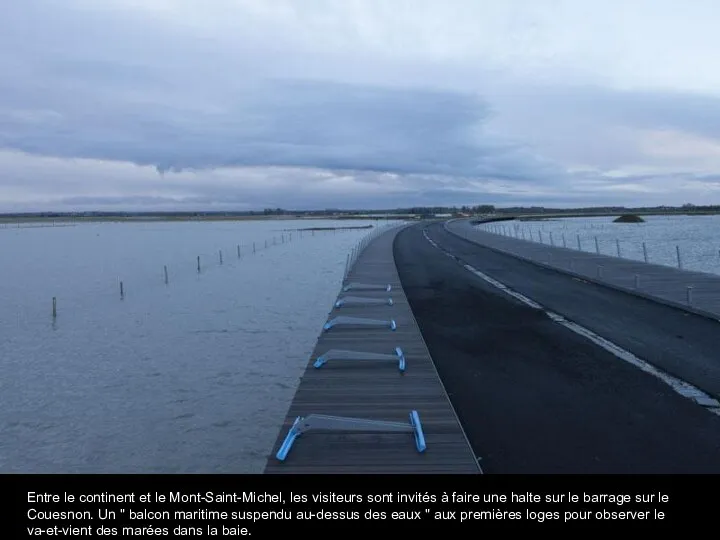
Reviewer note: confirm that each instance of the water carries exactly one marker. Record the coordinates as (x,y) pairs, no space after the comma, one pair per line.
(698,238)
(193,376)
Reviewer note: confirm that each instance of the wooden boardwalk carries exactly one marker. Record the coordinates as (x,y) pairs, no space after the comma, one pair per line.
(374,389)
(696,292)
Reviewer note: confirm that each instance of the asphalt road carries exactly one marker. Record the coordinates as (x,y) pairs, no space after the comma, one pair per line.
(534,396)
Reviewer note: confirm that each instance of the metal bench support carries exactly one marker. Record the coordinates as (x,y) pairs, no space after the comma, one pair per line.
(366,287)
(359,321)
(320,422)
(338,354)
(359,300)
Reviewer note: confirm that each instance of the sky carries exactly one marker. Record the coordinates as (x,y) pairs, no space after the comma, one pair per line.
(162,105)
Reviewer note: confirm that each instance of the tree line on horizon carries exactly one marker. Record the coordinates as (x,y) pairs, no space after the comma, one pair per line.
(414,210)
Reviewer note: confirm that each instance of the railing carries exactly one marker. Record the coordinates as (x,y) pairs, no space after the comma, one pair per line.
(638,251)
(365,242)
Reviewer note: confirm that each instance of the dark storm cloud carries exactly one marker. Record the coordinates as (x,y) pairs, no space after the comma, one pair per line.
(280,123)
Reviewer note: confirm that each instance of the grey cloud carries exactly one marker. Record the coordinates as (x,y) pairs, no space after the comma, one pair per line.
(289,189)
(579,124)
(691,113)
(710,178)
(121,86)
(282,123)
(123,201)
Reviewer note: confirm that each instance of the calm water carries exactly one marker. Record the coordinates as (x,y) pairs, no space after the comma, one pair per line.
(192,376)
(698,238)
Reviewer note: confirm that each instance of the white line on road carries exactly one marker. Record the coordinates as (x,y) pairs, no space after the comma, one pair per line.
(683,388)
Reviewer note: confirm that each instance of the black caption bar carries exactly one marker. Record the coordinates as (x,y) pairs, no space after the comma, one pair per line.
(262,506)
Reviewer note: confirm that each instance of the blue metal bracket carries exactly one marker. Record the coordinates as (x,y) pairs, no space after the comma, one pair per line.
(359,300)
(366,287)
(359,321)
(287,444)
(320,422)
(337,354)
(418,431)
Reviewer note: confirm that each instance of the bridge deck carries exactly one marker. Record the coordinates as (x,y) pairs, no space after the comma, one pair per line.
(375,389)
(662,284)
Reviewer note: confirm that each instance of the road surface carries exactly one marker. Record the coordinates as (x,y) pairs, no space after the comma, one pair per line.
(535,397)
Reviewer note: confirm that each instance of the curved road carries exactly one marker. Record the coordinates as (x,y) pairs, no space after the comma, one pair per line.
(535,397)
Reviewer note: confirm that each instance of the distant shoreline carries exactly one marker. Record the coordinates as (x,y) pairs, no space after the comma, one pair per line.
(62,219)
(7,219)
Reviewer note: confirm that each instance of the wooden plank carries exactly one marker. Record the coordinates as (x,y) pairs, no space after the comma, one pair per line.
(375,390)
(664,284)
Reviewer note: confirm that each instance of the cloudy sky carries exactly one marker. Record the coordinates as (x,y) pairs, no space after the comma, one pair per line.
(247,104)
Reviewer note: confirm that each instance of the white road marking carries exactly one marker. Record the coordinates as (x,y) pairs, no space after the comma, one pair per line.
(683,388)
(524,299)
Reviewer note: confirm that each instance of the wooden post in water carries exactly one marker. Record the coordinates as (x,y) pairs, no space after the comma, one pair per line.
(166,274)
(597,246)
(220,252)
(689,295)
(679,260)
(54,309)
(238,250)
(552,242)
(617,244)
(198,261)
(645,255)
(564,242)
(253,247)
(540,236)
(122,291)
(579,246)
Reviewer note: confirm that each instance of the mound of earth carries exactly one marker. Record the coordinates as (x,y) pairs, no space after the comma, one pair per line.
(629,218)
